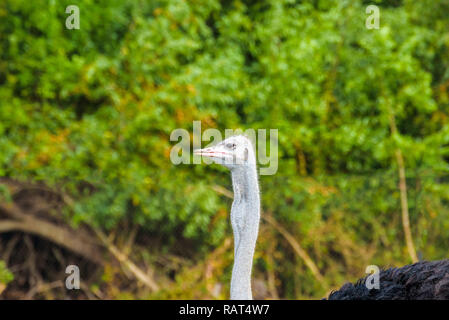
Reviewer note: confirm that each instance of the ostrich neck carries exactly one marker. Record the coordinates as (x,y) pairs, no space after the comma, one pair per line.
(245,216)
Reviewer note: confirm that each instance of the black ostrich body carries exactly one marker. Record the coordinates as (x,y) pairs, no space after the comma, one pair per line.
(420,281)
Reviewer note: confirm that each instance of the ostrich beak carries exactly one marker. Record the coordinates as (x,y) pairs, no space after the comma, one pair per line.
(211,153)
(207,152)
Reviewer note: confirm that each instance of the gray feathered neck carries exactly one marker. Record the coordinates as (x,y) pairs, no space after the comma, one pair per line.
(245,216)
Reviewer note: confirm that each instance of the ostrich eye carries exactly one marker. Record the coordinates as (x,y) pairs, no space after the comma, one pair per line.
(231,146)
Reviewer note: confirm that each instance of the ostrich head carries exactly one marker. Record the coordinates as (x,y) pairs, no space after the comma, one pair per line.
(237,154)
(234,152)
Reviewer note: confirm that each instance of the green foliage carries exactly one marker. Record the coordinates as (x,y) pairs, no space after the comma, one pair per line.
(5,275)
(90,111)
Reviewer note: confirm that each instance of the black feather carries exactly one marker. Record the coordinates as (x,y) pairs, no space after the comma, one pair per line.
(425,280)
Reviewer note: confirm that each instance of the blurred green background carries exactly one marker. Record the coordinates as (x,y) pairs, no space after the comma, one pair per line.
(88,113)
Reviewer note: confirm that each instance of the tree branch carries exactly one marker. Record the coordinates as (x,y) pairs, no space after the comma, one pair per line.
(403,192)
(123,259)
(72,240)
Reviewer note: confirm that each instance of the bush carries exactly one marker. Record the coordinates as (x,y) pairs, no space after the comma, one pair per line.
(90,112)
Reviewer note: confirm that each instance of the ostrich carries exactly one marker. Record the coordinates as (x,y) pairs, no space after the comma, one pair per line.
(422,280)
(237,154)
